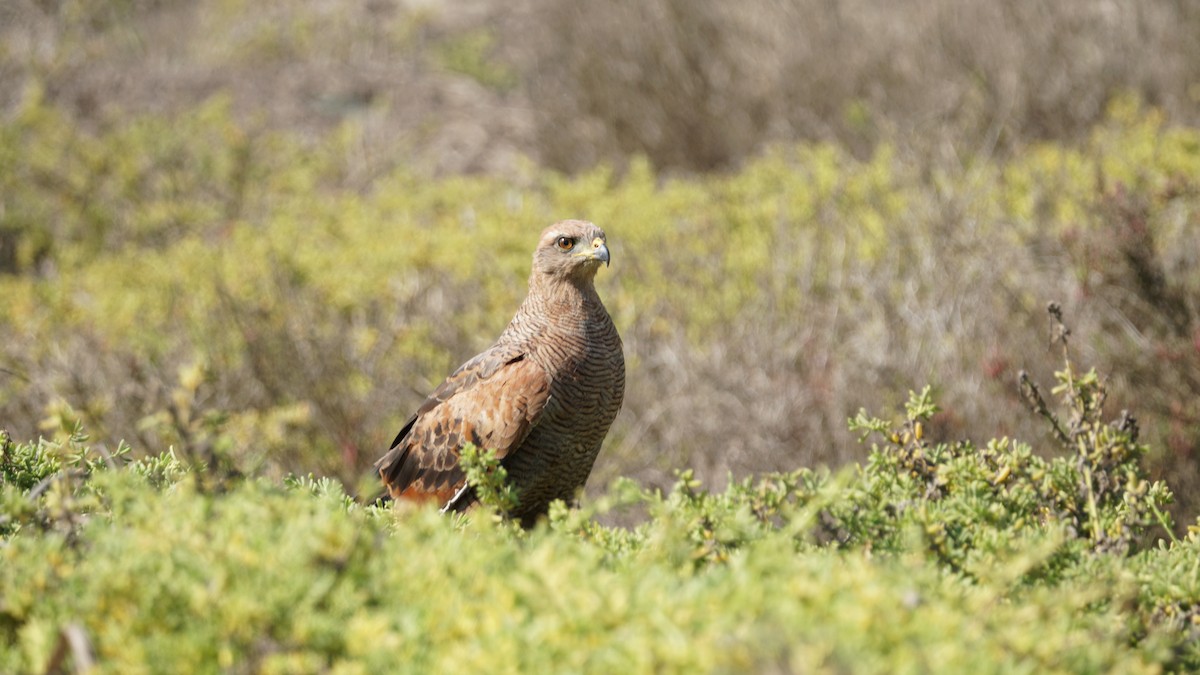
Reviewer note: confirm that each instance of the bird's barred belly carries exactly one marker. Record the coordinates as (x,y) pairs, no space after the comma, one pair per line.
(557,457)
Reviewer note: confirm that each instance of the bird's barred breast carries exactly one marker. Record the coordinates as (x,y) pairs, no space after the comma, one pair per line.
(588,372)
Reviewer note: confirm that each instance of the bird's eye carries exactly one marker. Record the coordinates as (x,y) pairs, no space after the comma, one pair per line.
(566,243)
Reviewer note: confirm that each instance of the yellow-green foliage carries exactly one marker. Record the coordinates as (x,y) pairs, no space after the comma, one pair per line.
(140,224)
(313,310)
(926,558)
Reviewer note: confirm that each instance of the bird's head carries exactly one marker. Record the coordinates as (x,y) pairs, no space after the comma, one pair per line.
(571,249)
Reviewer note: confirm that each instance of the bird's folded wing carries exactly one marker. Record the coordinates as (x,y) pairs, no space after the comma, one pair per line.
(492,401)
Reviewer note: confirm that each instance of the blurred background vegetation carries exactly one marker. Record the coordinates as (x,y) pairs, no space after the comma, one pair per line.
(261,232)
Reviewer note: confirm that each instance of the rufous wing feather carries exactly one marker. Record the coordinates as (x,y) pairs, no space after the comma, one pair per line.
(492,401)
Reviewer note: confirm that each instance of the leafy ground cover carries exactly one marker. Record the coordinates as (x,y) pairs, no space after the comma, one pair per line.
(958,557)
(190,282)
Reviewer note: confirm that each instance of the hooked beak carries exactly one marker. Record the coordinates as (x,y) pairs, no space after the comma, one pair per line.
(598,251)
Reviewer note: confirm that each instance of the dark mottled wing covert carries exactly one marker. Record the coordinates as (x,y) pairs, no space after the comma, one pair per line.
(493,401)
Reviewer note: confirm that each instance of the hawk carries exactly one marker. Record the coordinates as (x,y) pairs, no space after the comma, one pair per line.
(543,396)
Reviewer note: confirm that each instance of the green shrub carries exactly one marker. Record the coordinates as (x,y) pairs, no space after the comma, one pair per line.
(293,331)
(948,557)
